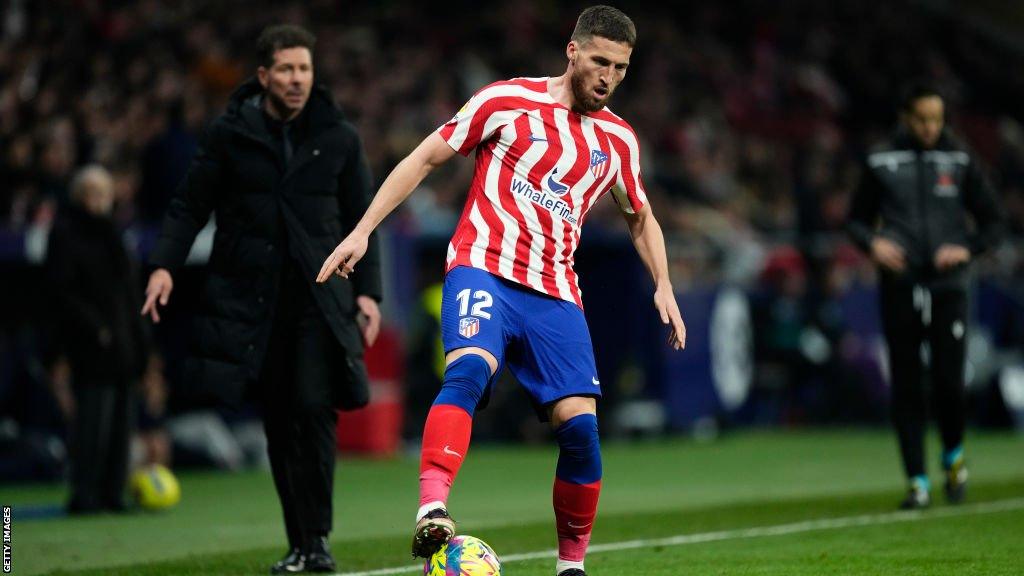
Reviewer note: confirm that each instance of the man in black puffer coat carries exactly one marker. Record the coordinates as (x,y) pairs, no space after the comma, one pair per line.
(923,211)
(286,178)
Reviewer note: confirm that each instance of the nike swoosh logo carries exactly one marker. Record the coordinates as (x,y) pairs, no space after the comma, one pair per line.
(448,450)
(595,381)
(537,139)
(571,525)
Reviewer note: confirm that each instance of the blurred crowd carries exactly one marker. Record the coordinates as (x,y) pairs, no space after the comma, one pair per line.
(752,115)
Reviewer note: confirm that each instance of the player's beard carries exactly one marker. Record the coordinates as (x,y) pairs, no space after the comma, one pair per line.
(585,100)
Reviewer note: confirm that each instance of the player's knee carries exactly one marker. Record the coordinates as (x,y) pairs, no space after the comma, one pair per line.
(454,355)
(579,458)
(568,408)
(465,380)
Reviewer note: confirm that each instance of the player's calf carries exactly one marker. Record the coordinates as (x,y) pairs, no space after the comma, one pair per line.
(446,437)
(576,490)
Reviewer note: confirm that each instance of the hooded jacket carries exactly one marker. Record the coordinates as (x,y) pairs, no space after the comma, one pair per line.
(270,214)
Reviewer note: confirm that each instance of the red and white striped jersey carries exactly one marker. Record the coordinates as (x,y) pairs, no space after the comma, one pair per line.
(539,168)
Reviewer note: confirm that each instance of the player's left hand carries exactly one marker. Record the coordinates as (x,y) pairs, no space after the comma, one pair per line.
(369,319)
(951,255)
(665,303)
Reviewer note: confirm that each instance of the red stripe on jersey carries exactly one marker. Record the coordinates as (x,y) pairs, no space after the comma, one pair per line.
(465,233)
(598,188)
(521,265)
(544,165)
(579,168)
(626,168)
(496,228)
(447,130)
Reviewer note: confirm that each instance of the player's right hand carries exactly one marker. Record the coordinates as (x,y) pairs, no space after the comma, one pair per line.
(888,254)
(157,291)
(343,260)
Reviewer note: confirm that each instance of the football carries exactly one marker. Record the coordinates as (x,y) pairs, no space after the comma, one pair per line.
(463,556)
(154,487)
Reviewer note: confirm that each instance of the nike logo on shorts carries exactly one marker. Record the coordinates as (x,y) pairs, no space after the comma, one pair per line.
(595,381)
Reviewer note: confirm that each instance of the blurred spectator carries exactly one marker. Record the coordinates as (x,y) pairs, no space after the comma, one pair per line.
(95,288)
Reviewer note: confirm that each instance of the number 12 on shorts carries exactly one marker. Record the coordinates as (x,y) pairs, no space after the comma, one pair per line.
(482,301)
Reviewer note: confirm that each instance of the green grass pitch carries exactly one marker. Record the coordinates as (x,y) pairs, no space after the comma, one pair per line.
(803,503)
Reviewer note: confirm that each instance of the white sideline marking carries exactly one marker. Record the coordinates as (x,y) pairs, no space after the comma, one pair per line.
(756,532)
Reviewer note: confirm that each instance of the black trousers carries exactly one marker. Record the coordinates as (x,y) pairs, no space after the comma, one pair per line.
(919,324)
(100,442)
(299,412)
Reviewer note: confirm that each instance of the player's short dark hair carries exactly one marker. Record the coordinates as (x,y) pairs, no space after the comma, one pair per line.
(914,91)
(280,37)
(606,22)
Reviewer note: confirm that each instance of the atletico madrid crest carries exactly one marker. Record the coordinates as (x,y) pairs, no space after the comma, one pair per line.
(598,163)
(469,327)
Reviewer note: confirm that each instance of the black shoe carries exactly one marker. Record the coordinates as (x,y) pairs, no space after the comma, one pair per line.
(293,563)
(432,532)
(318,556)
(117,507)
(956,482)
(82,509)
(917,499)
(572,572)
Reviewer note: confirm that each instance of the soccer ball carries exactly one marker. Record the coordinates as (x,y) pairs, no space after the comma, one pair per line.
(463,556)
(155,487)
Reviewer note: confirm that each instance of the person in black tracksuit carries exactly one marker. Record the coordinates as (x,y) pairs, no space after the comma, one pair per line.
(287,179)
(923,211)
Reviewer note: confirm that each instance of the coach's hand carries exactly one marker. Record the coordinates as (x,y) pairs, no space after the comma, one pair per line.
(343,260)
(951,255)
(888,254)
(158,291)
(369,319)
(665,302)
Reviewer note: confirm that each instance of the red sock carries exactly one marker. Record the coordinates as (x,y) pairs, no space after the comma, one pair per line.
(445,442)
(575,509)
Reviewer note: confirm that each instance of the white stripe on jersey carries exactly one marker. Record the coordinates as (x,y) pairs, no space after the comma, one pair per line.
(478,251)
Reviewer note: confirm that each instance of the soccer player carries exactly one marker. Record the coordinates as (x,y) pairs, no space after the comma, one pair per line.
(923,211)
(546,150)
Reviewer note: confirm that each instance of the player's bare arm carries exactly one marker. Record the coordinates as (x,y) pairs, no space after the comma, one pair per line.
(650,246)
(406,176)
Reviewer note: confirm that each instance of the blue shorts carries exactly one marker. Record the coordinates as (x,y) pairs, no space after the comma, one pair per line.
(544,340)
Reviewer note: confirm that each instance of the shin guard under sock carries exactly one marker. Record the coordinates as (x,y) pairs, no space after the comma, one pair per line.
(449,426)
(577,486)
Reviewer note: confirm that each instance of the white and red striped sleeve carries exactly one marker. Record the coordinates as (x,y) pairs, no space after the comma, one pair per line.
(628,190)
(492,107)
